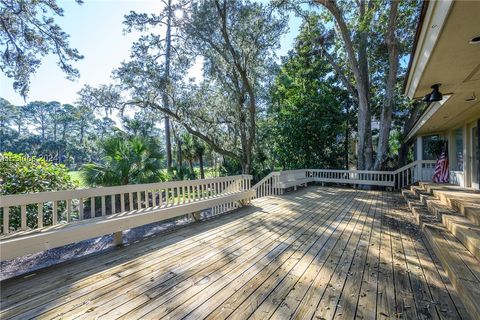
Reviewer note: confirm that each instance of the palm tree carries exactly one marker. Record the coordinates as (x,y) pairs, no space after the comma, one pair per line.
(200,152)
(193,150)
(188,150)
(126,159)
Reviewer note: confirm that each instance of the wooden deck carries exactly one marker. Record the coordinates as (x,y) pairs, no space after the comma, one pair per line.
(317,253)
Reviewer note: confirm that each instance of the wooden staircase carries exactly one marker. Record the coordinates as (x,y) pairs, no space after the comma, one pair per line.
(450,217)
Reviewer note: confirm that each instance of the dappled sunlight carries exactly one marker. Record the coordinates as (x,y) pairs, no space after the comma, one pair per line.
(318,252)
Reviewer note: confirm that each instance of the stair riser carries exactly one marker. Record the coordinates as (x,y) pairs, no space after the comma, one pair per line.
(472,213)
(434,210)
(465,239)
(415,209)
(470,303)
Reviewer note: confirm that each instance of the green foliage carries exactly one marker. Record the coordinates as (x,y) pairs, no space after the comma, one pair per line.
(28,32)
(126,159)
(307,119)
(23,174)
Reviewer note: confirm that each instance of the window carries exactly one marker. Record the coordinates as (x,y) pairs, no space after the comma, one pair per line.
(432,147)
(458,150)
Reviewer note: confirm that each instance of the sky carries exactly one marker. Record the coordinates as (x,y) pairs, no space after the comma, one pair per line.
(96,30)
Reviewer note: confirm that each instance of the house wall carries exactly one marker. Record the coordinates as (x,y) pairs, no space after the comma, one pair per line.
(460,173)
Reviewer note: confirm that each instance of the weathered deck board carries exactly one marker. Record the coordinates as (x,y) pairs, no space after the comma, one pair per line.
(319,252)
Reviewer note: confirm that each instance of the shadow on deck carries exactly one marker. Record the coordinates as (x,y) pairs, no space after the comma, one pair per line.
(319,252)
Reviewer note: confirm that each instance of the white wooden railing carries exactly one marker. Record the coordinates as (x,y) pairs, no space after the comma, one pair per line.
(37,210)
(276,182)
(269,185)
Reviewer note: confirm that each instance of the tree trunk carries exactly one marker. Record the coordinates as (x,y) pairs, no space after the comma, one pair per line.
(364,146)
(389,101)
(190,164)
(179,155)
(82,132)
(202,172)
(358,63)
(168,143)
(168,49)
(347,137)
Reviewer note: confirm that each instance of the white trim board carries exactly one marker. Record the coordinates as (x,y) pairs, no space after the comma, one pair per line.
(433,23)
(431,110)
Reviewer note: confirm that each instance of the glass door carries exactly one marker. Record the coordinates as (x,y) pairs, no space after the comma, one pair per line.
(475,163)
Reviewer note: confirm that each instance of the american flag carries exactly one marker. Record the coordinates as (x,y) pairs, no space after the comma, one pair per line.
(441,174)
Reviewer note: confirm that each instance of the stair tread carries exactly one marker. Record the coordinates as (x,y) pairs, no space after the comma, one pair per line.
(464,201)
(465,231)
(455,239)
(462,267)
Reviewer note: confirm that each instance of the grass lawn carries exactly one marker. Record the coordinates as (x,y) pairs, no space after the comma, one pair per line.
(77,177)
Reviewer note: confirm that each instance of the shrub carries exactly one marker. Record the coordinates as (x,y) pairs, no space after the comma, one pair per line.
(24,174)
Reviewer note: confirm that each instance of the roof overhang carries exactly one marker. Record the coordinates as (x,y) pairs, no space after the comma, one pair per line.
(443,54)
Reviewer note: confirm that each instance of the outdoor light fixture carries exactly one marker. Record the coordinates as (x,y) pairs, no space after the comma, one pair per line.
(435,95)
(475,40)
(426,98)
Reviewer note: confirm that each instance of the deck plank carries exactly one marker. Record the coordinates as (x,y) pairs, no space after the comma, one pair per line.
(386,308)
(262,243)
(329,304)
(311,299)
(319,252)
(293,239)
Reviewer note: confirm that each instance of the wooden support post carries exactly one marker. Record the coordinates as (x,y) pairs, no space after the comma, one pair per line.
(196,215)
(118,238)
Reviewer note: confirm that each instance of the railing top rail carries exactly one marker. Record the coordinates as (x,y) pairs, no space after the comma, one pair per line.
(268,176)
(30,198)
(350,171)
(412,164)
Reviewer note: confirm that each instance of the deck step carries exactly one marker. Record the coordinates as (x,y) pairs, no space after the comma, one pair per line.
(471,210)
(464,201)
(464,231)
(462,268)
(419,210)
(454,239)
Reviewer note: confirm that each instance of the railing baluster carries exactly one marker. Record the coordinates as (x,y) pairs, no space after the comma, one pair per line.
(54,213)
(103,206)
(92,207)
(80,209)
(6,220)
(130,201)
(23,209)
(39,214)
(69,210)
(113,198)
(122,202)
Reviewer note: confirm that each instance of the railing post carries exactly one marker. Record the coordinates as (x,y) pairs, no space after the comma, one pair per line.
(118,238)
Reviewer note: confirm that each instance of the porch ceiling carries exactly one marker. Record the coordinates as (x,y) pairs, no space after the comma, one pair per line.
(451,61)
(452,114)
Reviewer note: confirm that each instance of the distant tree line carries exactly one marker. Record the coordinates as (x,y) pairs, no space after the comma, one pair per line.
(334,101)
